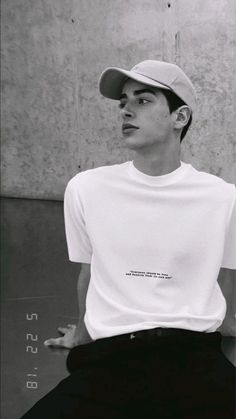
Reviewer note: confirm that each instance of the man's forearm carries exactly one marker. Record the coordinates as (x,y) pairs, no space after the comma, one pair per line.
(81,333)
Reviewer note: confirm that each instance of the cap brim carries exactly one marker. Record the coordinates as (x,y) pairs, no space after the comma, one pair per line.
(113,78)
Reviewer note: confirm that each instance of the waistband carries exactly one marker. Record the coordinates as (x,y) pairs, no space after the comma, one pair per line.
(161,334)
(160,338)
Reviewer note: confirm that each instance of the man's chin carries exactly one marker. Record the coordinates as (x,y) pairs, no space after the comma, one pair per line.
(134,145)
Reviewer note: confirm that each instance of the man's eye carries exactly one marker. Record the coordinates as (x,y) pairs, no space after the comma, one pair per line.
(142,101)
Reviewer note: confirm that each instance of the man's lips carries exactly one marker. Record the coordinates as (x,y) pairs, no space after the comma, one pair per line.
(128,127)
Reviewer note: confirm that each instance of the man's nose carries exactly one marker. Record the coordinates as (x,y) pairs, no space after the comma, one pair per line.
(126,112)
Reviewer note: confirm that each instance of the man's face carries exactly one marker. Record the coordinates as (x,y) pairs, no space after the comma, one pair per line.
(145,114)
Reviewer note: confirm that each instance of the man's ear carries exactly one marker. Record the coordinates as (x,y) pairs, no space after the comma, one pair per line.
(182,115)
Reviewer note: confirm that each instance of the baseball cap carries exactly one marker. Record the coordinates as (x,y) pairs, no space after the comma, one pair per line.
(154,73)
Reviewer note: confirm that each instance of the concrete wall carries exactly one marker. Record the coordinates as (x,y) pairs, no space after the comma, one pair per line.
(55,123)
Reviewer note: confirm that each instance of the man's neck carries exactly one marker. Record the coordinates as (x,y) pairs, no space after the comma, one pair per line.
(157,164)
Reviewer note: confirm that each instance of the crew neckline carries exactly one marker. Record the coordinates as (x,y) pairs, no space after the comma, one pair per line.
(162,180)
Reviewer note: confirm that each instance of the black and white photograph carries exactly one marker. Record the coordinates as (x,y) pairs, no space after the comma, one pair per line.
(118,209)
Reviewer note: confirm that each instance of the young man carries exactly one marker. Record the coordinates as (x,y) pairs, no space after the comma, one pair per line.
(151,236)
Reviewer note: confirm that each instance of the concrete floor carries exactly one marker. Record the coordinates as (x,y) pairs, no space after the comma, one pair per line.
(38,295)
(38,281)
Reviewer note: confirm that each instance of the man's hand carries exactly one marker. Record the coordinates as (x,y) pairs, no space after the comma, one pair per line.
(67,339)
(71,336)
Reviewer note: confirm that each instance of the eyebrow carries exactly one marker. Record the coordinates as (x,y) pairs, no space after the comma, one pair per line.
(139,92)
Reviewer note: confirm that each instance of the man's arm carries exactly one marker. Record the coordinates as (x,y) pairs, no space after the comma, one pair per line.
(81,332)
(227,282)
(73,335)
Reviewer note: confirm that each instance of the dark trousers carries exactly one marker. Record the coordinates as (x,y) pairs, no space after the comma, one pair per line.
(144,376)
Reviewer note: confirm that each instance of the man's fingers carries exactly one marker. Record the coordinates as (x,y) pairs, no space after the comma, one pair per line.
(63,330)
(54,342)
(65,340)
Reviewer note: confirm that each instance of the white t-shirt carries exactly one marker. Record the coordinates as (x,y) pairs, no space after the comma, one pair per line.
(155,244)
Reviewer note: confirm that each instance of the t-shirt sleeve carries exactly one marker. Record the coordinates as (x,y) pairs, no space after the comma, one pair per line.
(229,256)
(78,242)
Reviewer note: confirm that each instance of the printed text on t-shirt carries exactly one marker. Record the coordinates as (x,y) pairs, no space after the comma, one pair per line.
(147,274)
